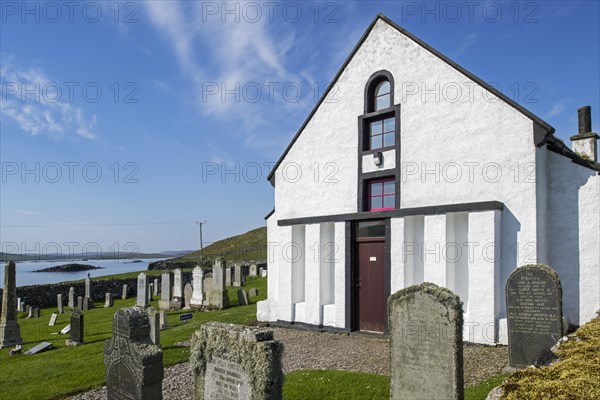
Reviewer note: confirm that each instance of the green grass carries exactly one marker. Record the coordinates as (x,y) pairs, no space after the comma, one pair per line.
(342,385)
(64,370)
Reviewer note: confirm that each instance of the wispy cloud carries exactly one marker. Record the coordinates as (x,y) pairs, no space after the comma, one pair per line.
(38,111)
(26,212)
(557,108)
(469,41)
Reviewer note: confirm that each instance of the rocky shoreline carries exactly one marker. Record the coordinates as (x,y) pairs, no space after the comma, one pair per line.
(73,267)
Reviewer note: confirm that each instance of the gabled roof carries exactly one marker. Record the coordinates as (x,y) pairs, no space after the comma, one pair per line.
(547,127)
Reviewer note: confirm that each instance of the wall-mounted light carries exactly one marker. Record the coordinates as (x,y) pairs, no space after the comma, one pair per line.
(377,158)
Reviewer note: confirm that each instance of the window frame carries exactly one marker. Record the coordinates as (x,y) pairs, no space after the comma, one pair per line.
(383,194)
(370,90)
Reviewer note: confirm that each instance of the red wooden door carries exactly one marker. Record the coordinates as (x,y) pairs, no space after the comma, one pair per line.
(370,285)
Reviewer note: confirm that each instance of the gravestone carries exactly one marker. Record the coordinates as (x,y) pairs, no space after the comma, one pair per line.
(534,314)
(65,330)
(87,303)
(154,320)
(150,290)
(29,312)
(36,312)
(253,270)
(76,338)
(228,273)
(242,296)
(208,285)
(253,292)
(177,302)
(71,298)
(164,321)
(59,303)
(88,292)
(19,304)
(38,349)
(237,276)
(425,323)
(218,297)
(108,300)
(165,292)
(188,292)
(124,294)
(243,279)
(22,308)
(10,332)
(79,303)
(263,273)
(236,362)
(53,319)
(198,288)
(260,270)
(134,366)
(155,287)
(142,290)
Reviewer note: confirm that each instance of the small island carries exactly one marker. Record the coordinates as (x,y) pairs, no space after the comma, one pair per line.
(69,268)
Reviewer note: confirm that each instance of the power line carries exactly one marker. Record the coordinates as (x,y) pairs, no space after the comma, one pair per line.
(92,225)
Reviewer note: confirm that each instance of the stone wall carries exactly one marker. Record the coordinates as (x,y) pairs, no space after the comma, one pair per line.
(45,295)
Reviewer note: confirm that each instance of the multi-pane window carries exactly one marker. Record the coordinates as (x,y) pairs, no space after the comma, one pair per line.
(381,133)
(382,194)
(383,95)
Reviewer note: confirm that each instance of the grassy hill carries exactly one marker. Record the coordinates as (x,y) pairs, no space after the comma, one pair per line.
(249,246)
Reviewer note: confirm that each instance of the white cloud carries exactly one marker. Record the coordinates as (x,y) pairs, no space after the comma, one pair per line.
(30,100)
(26,212)
(469,41)
(557,108)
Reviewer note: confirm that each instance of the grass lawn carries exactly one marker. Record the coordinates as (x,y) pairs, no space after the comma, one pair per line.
(343,385)
(64,370)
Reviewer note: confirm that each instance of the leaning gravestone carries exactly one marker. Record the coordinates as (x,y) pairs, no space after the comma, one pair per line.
(253,292)
(134,366)
(76,338)
(38,349)
(242,296)
(53,319)
(236,362)
(534,313)
(425,323)
(142,290)
(10,332)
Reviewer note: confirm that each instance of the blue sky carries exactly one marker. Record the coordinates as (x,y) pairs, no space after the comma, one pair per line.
(133,91)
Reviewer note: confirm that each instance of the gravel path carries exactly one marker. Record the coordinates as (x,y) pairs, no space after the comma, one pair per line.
(311,350)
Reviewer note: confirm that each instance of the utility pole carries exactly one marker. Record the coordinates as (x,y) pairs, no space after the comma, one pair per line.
(201,246)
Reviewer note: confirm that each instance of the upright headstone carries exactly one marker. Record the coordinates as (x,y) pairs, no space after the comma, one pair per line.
(134,365)
(228,273)
(88,292)
(53,318)
(253,270)
(87,303)
(142,290)
(124,294)
(79,303)
(242,296)
(237,276)
(36,312)
(108,300)
(198,287)
(29,312)
(155,287)
(72,303)
(534,312)
(177,301)
(154,319)
(165,292)
(218,297)
(18,304)
(260,271)
(425,323)
(222,369)
(164,321)
(22,307)
(59,303)
(263,273)
(76,338)
(188,292)
(10,332)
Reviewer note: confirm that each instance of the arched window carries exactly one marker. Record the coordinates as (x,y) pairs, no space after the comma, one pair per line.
(379,92)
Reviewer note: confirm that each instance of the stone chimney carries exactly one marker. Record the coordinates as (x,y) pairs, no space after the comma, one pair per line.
(585,142)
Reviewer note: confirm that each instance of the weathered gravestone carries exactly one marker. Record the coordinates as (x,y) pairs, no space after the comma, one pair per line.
(263,273)
(218,296)
(188,292)
(534,313)
(253,270)
(208,286)
(71,298)
(237,276)
(108,300)
(59,303)
(29,312)
(76,338)
(236,362)
(79,303)
(425,323)
(228,273)
(155,287)
(22,307)
(142,290)
(38,349)
(36,312)
(242,296)
(88,292)
(177,302)
(124,294)
(164,321)
(134,366)
(165,292)
(87,303)
(253,292)
(53,319)
(154,320)
(198,288)
(65,330)
(10,332)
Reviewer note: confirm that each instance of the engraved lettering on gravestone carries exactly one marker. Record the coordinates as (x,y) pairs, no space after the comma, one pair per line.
(225,380)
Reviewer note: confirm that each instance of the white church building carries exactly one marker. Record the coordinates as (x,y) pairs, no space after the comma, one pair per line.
(412,169)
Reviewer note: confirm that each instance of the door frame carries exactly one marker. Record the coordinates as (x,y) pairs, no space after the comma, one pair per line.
(352,267)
